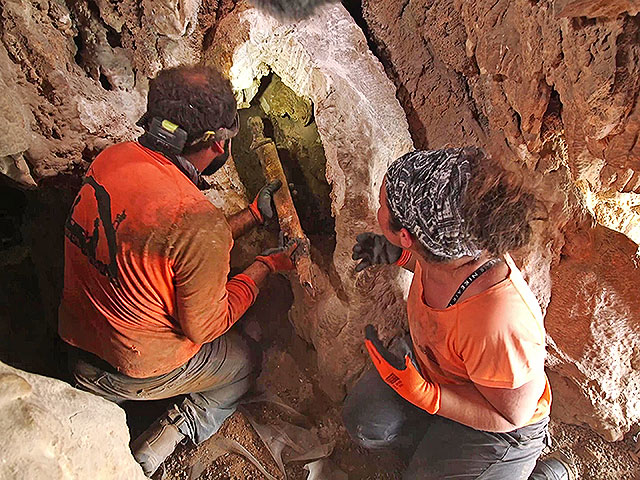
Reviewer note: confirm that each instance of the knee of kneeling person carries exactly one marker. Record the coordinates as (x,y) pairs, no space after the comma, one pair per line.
(368,431)
(244,358)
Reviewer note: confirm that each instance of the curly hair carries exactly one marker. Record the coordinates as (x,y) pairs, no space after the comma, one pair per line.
(497,206)
(197,98)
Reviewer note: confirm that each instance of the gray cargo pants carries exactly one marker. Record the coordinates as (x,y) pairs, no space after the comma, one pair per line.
(213,381)
(376,416)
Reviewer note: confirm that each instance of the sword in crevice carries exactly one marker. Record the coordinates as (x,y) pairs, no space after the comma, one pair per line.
(267,153)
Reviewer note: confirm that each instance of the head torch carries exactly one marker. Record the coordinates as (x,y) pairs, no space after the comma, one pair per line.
(219,135)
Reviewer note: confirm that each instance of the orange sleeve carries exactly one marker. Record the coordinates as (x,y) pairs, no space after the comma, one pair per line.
(242,292)
(501,346)
(206,304)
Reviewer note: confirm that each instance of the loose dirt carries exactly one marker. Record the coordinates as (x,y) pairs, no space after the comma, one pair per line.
(289,371)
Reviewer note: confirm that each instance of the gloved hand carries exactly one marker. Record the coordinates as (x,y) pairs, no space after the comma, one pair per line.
(280,259)
(373,249)
(401,374)
(262,207)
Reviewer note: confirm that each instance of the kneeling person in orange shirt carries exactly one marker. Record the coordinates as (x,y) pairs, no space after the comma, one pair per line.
(469,386)
(147,304)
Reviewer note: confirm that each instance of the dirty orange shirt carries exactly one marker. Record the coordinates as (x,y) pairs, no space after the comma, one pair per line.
(146,265)
(495,339)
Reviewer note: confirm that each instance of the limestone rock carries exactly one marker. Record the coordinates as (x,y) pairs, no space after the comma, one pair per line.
(52,431)
(599,8)
(362,129)
(594,324)
(74,77)
(173,18)
(487,72)
(15,129)
(551,89)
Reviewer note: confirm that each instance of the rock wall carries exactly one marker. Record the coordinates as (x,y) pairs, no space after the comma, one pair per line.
(549,86)
(552,88)
(362,129)
(74,74)
(51,431)
(594,331)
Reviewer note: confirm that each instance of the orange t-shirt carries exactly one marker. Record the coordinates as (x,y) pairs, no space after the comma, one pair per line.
(146,265)
(494,339)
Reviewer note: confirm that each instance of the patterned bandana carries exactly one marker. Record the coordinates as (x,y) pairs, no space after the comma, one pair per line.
(424,191)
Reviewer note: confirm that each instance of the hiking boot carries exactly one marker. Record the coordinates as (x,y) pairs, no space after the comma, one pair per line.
(158,441)
(557,466)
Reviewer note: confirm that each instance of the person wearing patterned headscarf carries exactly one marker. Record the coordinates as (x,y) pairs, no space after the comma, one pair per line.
(471,374)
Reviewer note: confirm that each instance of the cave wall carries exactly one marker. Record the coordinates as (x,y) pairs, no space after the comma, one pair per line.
(362,128)
(74,74)
(550,87)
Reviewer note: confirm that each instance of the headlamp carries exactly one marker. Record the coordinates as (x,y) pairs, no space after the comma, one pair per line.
(220,134)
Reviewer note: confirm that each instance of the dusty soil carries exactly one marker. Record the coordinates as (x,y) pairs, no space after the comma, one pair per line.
(595,458)
(289,371)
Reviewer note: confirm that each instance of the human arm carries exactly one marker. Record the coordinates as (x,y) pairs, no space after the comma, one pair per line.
(373,249)
(242,222)
(491,409)
(206,304)
(257,213)
(482,408)
(273,260)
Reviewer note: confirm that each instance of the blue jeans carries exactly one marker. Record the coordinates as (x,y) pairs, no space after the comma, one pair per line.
(213,380)
(376,416)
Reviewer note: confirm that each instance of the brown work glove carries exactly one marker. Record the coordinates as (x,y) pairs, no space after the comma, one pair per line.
(280,259)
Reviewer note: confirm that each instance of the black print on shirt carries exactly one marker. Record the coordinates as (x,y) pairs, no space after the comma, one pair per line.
(89,243)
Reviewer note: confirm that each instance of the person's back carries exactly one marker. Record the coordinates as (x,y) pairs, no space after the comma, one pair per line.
(147,304)
(126,237)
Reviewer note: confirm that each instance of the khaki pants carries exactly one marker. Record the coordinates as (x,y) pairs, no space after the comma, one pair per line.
(213,381)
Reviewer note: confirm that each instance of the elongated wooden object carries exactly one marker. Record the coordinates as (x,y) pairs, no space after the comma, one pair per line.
(290,225)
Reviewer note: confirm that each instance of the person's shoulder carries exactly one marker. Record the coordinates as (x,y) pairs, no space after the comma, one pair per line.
(198,211)
(120,148)
(499,311)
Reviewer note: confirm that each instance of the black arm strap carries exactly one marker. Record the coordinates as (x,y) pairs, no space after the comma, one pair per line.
(479,271)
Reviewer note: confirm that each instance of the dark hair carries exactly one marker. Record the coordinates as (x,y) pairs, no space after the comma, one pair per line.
(497,206)
(197,98)
(396,226)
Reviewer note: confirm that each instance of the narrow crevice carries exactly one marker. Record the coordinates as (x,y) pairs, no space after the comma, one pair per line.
(354,7)
(104,81)
(79,49)
(288,120)
(578,23)
(552,131)
(481,119)
(114,38)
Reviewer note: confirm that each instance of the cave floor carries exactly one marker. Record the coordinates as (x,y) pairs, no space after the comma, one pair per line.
(288,370)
